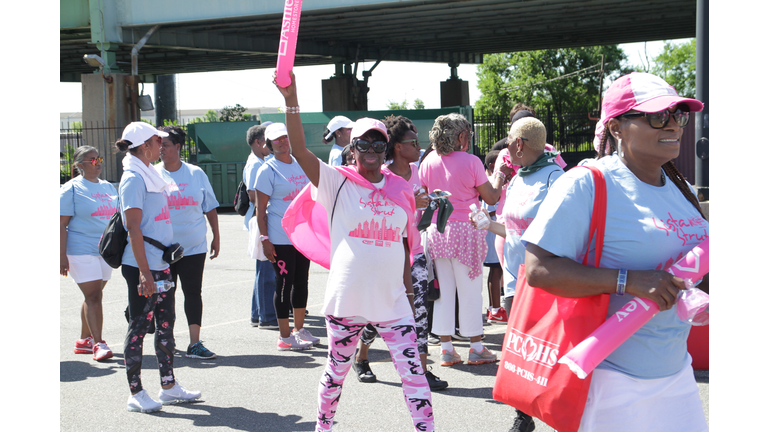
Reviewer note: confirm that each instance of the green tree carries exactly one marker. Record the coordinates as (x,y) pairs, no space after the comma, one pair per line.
(677,65)
(210,116)
(397,106)
(566,79)
(76,126)
(418,104)
(232,113)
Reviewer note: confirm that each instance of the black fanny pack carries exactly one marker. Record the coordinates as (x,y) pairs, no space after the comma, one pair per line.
(171,254)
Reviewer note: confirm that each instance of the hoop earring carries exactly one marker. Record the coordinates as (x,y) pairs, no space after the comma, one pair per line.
(519,154)
(621,153)
(145,154)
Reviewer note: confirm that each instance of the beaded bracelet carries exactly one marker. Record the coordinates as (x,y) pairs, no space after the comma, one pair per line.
(500,175)
(621,282)
(292,110)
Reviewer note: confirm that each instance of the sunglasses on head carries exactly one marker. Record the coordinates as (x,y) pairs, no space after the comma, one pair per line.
(95,160)
(363,145)
(659,120)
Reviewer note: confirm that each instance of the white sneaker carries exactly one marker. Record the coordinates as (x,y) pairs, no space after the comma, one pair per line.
(177,394)
(306,336)
(141,402)
(292,343)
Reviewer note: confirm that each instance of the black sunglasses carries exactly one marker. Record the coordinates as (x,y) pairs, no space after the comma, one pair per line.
(659,120)
(363,145)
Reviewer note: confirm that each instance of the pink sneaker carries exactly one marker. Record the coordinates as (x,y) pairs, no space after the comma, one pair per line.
(84,346)
(499,317)
(101,351)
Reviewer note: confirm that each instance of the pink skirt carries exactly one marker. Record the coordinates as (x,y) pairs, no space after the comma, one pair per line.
(462,241)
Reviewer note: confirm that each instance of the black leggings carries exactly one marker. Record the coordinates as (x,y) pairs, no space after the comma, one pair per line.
(160,307)
(292,279)
(190,271)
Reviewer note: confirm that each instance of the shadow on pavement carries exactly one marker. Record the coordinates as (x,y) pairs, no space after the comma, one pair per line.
(72,371)
(238,418)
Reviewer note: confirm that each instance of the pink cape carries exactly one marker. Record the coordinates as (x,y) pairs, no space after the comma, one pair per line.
(306,221)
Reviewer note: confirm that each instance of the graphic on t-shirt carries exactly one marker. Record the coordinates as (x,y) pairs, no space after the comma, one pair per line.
(379,207)
(104,211)
(300,182)
(692,229)
(164,215)
(177,201)
(376,233)
(515,224)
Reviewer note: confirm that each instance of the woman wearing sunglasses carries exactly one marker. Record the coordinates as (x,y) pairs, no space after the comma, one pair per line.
(652,219)
(403,150)
(459,251)
(85,205)
(370,216)
(278,181)
(144,203)
(190,202)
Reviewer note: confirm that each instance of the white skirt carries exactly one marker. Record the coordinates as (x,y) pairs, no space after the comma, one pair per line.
(618,402)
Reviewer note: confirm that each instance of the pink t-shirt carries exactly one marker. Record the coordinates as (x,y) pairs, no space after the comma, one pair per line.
(415,185)
(458,173)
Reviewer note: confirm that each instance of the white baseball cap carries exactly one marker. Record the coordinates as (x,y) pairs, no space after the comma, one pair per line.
(337,123)
(139,132)
(275,131)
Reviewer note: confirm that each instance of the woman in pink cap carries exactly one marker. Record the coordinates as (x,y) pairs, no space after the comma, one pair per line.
(371,230)
(653,218)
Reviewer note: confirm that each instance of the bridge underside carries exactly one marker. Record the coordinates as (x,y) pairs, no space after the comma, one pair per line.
(422,31)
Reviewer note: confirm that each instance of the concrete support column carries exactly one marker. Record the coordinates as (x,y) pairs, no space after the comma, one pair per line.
(344,93)
(106,111)
(454,91)
(165,99)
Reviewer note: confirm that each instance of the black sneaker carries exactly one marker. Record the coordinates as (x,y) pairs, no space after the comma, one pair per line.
(254,322)
(433,339)
(460,337)
(523,423)
(199,351)
(268,325)
(364,373)
(435,383)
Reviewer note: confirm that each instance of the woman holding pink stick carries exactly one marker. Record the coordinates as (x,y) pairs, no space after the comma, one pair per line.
(653,219)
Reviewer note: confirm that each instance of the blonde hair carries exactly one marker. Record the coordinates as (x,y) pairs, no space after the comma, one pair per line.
(532,130)
(446,130)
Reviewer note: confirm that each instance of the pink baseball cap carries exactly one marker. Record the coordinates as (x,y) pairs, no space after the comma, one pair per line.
(365,124)
(642,92)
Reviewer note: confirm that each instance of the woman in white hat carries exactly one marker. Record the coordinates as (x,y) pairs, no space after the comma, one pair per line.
(144,204)
(338,129)
(278,181)
(371,230)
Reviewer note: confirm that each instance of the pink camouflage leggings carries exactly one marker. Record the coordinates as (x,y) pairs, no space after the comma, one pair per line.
(400,337)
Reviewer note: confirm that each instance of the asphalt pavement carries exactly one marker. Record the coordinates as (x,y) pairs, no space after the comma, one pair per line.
(252,386)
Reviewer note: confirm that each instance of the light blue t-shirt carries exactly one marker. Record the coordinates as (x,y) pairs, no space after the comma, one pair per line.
(155,219)
(192,198)
(252,166)
(90,206)
(282,182)
(647,228)
(523,198)
(334,157)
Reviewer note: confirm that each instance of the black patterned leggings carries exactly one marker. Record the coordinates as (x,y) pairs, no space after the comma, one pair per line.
(291,279)
(420,285)
(160,307)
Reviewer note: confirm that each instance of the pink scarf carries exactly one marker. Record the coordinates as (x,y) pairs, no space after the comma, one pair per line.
(504,156)
(306,221)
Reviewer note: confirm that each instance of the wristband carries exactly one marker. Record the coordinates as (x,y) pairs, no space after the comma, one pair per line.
(409,294)
(500,175)
(621,282)
(262,238)
(292,110)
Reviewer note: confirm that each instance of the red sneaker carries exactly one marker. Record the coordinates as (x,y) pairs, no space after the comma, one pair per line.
(498,317)
(101,351)
(84,346)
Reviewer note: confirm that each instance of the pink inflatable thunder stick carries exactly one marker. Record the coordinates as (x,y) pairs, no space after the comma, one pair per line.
(584,357)
(289,32)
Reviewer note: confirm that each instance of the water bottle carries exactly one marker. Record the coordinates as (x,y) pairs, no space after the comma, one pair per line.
(421,191)
(163,286)
(481,220)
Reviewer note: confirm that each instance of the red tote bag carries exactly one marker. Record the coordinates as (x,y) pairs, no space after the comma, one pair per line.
(541,328)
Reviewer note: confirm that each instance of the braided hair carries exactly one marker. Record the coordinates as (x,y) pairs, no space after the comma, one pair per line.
(609,143)
(397,127)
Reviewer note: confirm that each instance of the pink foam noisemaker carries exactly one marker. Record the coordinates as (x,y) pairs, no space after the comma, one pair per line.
(584,357)
(289,33)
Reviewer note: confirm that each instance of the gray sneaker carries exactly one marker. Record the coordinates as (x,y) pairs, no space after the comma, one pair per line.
(484,356)
(449,358)
(306,336)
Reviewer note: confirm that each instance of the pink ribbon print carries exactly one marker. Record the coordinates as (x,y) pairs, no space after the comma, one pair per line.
(281,265)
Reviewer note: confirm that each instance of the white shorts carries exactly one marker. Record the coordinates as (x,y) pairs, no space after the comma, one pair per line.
(618,402)
(86,268)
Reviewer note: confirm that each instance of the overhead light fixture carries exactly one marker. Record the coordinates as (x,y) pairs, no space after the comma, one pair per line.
(94,60)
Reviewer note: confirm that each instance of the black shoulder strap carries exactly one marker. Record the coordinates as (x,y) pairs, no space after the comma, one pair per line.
(155,243)
(337,198)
